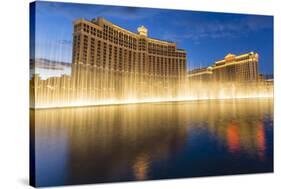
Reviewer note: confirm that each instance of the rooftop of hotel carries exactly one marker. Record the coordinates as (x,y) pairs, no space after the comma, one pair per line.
(97,20)
(228,57)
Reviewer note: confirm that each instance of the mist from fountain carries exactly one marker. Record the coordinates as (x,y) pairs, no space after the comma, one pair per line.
(90,85)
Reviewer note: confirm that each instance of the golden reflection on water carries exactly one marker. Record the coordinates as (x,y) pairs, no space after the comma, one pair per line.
(233,137)
(109,141)
(140,167)
(261,140)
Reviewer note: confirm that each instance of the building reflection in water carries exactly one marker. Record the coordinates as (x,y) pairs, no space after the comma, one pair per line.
(261,139)
(153,141)
(233,137)
(141,167)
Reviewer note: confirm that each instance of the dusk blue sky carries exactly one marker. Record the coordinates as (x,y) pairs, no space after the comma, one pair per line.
(205,36)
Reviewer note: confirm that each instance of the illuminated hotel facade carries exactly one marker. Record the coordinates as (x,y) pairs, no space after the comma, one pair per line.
(102,44)
(241,68)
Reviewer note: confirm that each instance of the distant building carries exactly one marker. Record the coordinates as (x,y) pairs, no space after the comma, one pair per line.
(103,44)
(232,68)
(201,74)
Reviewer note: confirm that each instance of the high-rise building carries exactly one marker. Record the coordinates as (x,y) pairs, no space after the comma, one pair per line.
(241,68)
(103,44)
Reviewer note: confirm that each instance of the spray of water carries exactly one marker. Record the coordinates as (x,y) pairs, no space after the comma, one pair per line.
(90,85)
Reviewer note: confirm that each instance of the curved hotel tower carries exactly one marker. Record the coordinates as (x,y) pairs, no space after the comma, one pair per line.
(102,44)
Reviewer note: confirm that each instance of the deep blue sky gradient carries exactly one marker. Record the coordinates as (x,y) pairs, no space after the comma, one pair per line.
(205,36)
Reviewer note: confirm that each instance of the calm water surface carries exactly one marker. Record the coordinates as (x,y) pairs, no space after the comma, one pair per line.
(153,141)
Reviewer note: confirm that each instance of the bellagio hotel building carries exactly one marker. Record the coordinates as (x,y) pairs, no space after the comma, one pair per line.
(102,44)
